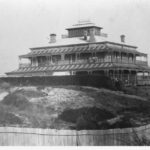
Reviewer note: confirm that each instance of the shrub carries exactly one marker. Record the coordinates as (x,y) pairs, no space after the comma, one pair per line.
(17,100)
(5,85)
(139,140)
(89,113)
(82,123)
(9,118)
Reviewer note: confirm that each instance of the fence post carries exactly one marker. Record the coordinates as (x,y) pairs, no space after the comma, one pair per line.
(77,138)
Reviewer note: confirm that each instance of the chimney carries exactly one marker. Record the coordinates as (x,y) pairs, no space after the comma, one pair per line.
(92,35)
(52,38)
(122,37)
(85,35)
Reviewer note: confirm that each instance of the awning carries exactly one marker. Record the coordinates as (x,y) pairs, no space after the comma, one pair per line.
(76,67)
(60,50)
(122,65)
(76,49)
(125,50)
(145,68)
(66,67)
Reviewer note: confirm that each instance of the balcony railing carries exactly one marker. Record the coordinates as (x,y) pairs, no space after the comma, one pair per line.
(83,61)
(24,65)
(139,62)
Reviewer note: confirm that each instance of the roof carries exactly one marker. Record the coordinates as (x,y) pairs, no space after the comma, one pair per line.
(80,40)
(69,49)
(77,67)
(86,48)
(83,24)
(78,44)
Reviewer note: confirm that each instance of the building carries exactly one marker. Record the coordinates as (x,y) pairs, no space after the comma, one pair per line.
(85,50)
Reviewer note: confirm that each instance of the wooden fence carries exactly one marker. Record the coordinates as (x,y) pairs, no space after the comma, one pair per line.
(11,136)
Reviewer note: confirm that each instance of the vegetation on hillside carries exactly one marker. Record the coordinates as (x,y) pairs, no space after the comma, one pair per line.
(71,107)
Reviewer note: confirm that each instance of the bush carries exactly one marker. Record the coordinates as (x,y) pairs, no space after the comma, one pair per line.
(89,113)
(124,122)
(139,140)
(9,118)
(86,117)
(17,100)
(82,123)
(5,85)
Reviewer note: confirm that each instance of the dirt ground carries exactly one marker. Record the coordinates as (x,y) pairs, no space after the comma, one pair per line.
(73,107)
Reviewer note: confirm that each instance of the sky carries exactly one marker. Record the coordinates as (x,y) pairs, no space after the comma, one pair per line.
(28,23)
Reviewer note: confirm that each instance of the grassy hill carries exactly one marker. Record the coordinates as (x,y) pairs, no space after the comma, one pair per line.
(71,107)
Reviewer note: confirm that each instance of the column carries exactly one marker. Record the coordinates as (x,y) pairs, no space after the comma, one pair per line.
(113,74)
(112,56)
(143,74)
(107,72)
(48,60)
(114,71)
(134,58)
(129,76)
(117,73)
(146,60)
(51,60)
(31,61)
(76,56)
(36,61)
(120,57)
(128,57)
(135,82)
(62,57)
(71,58)
(121,74)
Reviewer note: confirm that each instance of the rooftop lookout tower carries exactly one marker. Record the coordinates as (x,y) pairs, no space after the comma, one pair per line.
(83,28)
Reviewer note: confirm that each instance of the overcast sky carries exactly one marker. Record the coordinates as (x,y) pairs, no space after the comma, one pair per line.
(28,23)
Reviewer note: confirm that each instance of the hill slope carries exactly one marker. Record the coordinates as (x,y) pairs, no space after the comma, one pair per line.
(72,107)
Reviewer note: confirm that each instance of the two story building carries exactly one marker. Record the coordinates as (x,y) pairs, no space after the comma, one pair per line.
(85,50)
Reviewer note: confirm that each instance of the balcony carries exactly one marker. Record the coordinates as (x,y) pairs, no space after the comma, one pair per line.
(143,63)
(84,61)
(130,61)
(65,62)
(24,65)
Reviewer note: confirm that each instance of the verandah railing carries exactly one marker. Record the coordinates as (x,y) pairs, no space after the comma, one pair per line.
(83,61)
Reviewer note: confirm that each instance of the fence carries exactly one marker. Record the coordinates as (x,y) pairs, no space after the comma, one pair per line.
(83,80)
(11,136)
